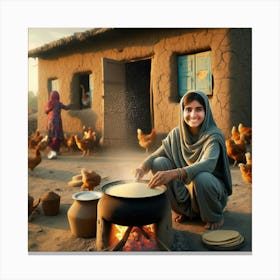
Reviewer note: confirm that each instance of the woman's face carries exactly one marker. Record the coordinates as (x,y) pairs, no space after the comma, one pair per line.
(194,115)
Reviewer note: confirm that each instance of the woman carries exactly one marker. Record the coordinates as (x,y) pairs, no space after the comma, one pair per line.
(54,121)
(192,162)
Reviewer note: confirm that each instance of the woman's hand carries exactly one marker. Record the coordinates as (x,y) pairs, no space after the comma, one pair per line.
(162,178)
(140,172)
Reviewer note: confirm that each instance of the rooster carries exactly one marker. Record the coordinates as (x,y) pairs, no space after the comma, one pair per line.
(146,140)
(90,179)
(35,160)
(246,169)
(85,145)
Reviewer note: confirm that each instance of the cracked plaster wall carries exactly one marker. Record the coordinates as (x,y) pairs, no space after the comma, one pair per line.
(231,69)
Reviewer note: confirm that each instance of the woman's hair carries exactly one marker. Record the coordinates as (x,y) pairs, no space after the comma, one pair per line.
(192,96)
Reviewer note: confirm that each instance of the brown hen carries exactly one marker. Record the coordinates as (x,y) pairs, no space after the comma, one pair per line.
(246,169)
(236,151)
(146,140)
(35,160)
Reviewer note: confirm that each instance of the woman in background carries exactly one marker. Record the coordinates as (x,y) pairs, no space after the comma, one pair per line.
(54,121)
(193,164)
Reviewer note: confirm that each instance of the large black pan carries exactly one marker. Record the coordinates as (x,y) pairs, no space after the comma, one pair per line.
(130,210)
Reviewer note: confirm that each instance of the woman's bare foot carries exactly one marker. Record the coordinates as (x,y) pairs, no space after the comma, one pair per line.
(214,226)
(180,218)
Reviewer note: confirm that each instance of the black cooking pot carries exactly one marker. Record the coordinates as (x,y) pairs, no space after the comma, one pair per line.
(128,211)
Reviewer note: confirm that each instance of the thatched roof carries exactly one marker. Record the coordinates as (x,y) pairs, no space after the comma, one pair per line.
(68,41)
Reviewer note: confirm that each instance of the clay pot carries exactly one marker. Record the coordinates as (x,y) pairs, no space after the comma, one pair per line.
(82,215)
(50,203)
(132,211)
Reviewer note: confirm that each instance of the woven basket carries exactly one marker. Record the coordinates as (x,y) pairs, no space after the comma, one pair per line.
(50,203)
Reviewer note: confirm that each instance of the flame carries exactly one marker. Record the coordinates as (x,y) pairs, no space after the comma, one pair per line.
(140,238)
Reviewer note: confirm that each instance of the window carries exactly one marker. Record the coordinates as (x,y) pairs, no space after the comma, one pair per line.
(52,85)
(194,72)
(81,88)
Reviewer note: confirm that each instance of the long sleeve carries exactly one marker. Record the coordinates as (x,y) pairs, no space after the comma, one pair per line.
(207,163)
(149,160)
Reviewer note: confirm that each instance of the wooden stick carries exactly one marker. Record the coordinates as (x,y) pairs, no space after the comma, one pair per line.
(122,242)
(144,232)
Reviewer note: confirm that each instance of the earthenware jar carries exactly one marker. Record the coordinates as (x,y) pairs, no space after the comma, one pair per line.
(50,203)
(82,215)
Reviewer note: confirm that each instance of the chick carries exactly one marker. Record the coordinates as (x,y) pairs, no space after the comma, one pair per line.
(146,140)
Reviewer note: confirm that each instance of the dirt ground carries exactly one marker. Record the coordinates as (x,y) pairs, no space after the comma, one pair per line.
(52,233)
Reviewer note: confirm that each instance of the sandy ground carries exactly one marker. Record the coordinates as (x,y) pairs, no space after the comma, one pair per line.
(52,233)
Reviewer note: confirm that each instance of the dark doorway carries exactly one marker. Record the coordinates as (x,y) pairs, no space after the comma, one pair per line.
(127,101)
(138,98)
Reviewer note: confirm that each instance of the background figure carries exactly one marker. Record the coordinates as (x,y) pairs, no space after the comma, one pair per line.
(54,121)
(85,97)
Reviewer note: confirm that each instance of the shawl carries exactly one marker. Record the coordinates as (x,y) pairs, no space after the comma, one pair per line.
(53,100)
(184,150)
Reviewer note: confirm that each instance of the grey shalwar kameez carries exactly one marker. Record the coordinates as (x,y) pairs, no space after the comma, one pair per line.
(205,161)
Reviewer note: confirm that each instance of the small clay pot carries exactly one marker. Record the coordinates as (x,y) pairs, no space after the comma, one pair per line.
(82,215)
(50,203)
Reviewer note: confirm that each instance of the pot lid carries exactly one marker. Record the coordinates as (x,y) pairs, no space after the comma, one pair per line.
(87,195)
(132,190)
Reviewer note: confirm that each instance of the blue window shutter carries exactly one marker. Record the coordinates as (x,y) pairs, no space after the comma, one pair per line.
(186,73)
(182,75)
(203,77)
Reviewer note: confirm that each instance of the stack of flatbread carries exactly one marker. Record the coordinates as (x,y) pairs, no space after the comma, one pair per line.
(76,181)
(226,240)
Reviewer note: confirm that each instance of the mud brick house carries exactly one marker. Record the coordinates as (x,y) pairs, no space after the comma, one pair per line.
(136,76)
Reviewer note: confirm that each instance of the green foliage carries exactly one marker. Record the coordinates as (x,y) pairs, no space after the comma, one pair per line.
(32,102)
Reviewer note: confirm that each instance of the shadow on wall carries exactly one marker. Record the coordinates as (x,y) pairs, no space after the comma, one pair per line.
(86,116)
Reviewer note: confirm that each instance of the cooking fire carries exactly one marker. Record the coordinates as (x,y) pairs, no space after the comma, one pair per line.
(134,238)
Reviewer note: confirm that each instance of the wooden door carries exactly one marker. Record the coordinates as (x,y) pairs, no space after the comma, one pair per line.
(114,124)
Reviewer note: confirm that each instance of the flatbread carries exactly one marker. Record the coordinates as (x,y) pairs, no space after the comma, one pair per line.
(220,236)
(75,183)
(77,177)
(223,243)
(236,245)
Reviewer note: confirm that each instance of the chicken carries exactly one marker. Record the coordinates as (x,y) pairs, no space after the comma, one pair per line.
(235,134)
(35,160)
(43,143)
(85,145)
(146,140)
(246,169)
(71,143)
(90,179)
(89,134)
(236,151)
(246,131)
(34,139)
